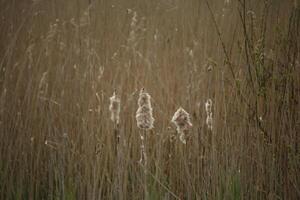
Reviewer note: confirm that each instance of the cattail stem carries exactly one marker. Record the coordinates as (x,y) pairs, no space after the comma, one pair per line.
(170,147)
(116,138)
(114,109)
(63,164)
(145,166)
(142,148)
(144,162)
(118,175)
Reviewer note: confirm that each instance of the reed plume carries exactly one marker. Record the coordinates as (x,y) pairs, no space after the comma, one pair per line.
(208,109)
(114,108)
(182,121)
(144,115)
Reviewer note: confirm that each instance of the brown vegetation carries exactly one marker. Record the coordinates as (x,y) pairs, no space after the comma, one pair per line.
(60,61)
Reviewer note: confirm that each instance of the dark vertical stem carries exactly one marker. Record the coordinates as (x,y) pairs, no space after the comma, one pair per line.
(146,197)
(116,138)
(119,163)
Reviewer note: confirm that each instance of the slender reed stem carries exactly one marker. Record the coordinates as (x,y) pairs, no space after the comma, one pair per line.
(144,162)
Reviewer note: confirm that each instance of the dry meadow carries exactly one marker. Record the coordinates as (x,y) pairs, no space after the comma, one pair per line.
(62,60)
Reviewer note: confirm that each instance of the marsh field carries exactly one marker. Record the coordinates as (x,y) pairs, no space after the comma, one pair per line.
(233,66)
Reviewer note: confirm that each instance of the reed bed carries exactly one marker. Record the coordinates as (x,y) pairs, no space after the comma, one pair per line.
(232,65)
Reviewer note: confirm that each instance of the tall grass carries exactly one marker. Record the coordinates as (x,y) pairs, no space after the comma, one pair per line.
(60,61)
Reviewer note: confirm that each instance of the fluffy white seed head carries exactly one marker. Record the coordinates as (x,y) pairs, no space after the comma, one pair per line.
(114,108)
(144,116)
(209,121)
(208,109)
(182,138)
(208,106)
(144,98)
(182,120)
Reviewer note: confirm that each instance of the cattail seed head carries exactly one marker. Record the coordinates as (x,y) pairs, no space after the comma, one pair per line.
(208,109)
(182,138)
(144,98)
(182,121)
(144,116)
(208,106)
(209,121)
(114,108)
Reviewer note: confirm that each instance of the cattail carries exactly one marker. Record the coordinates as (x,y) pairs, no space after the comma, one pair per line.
(145,121)
(208,109)
(182,121)
(43,85)
(208,106)
(209,121)
(114,108)
(144,115)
